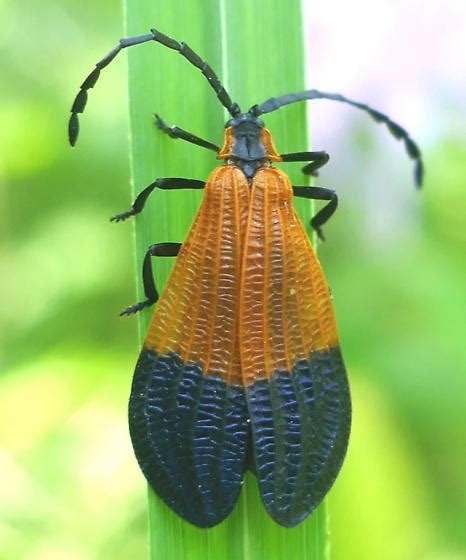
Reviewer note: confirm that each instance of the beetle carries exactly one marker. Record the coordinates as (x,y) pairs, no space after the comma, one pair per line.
(241,366)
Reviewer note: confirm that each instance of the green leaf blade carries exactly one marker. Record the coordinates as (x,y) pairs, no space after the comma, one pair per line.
(257,50)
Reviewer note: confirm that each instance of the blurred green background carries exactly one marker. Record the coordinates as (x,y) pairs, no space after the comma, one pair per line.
(69,487)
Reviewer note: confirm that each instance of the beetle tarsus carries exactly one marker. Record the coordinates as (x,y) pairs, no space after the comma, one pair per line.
(123,216)
(133,309)
(319,232)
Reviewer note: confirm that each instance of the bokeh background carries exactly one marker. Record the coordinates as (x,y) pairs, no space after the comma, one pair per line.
(69,486)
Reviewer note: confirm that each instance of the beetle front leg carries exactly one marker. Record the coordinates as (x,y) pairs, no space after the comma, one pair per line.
(176,132)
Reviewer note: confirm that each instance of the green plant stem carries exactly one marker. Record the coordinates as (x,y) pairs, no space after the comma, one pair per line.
(257,49)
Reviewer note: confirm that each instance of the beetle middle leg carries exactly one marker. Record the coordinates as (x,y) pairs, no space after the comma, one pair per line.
(150,289)
(166,183)
(316,160)
(319,193)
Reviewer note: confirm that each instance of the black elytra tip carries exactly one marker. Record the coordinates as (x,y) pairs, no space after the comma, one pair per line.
(189,432)
(300,426)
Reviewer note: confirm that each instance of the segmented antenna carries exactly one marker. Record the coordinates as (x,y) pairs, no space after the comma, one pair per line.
(81,98)
(395,129)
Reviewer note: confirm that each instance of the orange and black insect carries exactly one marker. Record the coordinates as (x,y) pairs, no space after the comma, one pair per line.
(241,366)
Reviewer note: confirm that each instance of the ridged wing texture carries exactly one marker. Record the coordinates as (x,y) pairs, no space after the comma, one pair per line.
(187,411)
(196,316)
(294,377)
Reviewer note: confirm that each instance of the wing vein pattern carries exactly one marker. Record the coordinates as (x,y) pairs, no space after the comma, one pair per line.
(297,390)
(243,339)
(187,410)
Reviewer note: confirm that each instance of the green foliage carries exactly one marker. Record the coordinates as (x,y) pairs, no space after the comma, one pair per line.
(70,487)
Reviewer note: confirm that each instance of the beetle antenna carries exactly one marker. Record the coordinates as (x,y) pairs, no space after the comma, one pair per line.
(80,101)
(395,129)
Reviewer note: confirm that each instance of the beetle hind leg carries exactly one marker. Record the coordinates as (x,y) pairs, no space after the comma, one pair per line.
(150,289)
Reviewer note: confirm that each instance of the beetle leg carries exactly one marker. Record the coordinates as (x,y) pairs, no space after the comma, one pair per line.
(319,193)
(166,183)
(176,132)
(150,290)
(316,159)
